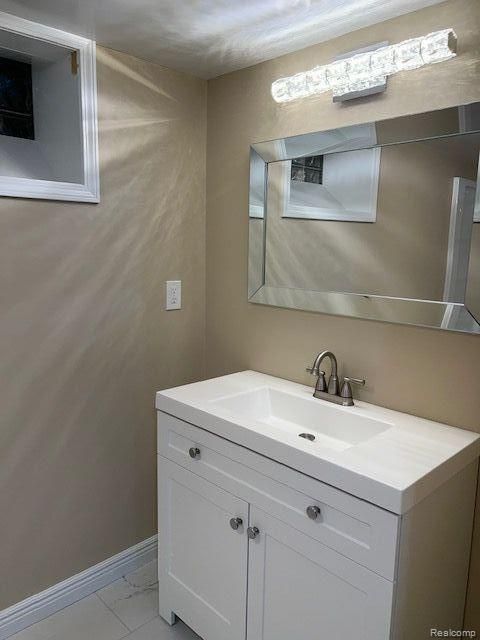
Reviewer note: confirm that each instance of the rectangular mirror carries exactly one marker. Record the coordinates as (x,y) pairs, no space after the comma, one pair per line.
(378,220)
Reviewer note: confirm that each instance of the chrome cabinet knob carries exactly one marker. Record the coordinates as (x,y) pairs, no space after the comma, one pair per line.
(253,532)
(235,523)
(313,512)
(194,452)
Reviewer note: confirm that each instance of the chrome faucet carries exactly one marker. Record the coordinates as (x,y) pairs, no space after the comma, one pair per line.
(331,391)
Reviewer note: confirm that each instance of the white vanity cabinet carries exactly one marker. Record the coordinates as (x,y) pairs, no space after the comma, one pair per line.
(204,561)
(300,588)
(308,561)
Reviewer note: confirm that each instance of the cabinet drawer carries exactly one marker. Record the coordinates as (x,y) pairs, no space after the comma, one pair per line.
(358,530)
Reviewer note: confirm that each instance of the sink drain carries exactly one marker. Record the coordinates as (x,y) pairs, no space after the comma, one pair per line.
(307,436)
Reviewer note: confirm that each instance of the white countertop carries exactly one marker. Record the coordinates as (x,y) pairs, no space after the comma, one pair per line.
(394,469)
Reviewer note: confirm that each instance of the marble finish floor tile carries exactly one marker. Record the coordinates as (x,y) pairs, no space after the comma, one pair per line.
(133,598)
(87,619)
(158,629)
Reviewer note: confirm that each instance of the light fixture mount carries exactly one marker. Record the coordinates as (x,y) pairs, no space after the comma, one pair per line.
(368,86)
(367,70)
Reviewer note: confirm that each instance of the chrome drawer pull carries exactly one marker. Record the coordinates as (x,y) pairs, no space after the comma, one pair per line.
(253,532)
(313,512)
(235,523)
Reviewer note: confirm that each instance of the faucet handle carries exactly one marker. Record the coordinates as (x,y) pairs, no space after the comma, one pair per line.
(321,383)
(359,381)
(346,392)
(315,371)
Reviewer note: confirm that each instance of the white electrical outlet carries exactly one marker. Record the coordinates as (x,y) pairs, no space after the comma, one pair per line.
(173,295)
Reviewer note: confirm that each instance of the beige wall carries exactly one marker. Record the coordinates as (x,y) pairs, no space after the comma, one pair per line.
(421,371)
(85,341)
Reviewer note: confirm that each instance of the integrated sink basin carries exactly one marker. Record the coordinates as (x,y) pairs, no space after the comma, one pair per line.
(315,421)
(386,457)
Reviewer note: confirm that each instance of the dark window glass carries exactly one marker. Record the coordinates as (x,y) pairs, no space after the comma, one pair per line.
(16,104)
(309,169)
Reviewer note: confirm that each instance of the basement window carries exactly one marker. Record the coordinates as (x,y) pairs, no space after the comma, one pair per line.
(307,169)
(16,106)
(48,122)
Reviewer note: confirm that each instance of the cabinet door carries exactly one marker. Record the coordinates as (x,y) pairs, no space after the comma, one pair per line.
(299,588)
(202,559)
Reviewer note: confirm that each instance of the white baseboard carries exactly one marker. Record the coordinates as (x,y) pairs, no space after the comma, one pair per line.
(44,604)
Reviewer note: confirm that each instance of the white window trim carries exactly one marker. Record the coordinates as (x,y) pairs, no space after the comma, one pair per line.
(341,215)
(256,211)
(89,190)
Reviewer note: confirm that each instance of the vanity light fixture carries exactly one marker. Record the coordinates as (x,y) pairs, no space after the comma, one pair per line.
(367,72)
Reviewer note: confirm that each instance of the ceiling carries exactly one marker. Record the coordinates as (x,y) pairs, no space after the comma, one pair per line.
(210,37)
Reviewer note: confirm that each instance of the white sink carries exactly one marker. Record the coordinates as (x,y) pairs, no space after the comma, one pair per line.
(321,424)
(389,458)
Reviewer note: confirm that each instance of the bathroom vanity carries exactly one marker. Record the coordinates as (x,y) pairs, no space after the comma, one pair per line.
(283,517)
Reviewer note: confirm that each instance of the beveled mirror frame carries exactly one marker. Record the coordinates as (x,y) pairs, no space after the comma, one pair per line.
(452,316)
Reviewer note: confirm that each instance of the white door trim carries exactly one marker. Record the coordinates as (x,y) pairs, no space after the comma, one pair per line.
(61,595)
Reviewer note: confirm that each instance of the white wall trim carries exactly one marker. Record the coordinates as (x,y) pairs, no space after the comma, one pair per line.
(89,190)
(44,604)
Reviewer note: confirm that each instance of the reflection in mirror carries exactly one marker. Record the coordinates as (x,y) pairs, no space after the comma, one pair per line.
(256,229)
(387,210)
(343,186)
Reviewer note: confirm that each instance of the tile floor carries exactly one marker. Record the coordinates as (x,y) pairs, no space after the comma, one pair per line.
(126,609)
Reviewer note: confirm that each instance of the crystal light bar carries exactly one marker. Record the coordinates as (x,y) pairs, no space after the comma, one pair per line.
(364,71)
